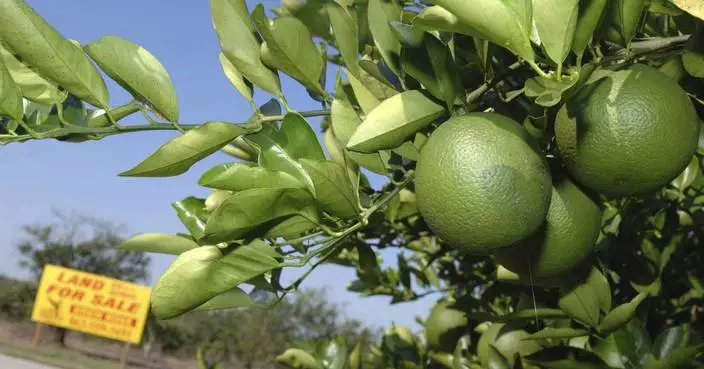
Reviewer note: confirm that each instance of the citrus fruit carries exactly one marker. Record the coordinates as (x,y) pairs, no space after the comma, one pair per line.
(563,242)
(481,183)
(629,132)
(444,327)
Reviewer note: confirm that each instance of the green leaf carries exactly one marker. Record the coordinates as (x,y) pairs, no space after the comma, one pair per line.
(628,347)
(243,86)
(289,47)
(496,359)
(621,314)
(256,212)
(10,96)
(693,7)
(344,119)
(563,357)
(373,77)
(333,188)
(556,21)
(579,303)
(98,118)
(600,284)
(191,212)
(437,18)
(241,176)
(298,138)
(298,359)
(138,72)
(367,101)
(495,21)
(345,31)
(625,16)
(178,155)
(207,273)
(679,358)
(671,339)
(42,47)
(332,354)
(408,35)
(344,123)
(159,243)
(434,67)
(380,14)
(591,14)
(355,358)
(234,298)
(34,87)
(693,57)
(557,333)
(235,32)
(273,155)
(519,316)
(393,121)
(548,92)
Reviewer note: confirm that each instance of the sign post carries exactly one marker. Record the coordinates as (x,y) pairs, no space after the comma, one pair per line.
(91,303)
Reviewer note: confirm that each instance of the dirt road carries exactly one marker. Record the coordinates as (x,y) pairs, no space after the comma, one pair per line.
(7,362)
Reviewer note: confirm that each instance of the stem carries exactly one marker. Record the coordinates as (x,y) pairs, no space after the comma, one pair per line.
(537,69)
(486,86)
(153,126)
(307,114)
(343,235)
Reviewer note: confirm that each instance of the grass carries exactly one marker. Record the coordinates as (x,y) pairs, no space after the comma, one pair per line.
(57,357)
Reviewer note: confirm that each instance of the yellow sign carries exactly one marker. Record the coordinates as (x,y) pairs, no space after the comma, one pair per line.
(91,303)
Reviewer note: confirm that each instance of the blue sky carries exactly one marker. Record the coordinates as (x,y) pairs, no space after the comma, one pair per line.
(36,177)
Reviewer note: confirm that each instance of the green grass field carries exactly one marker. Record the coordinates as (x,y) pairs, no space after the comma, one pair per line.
(60,358)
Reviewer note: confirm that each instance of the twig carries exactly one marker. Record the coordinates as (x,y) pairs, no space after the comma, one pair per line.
(477,93)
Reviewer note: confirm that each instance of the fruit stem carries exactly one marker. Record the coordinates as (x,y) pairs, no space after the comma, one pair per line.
(537,69)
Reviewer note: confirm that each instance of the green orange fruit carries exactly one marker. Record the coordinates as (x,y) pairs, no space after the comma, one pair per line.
(564,242)
(482,183)
(628,132)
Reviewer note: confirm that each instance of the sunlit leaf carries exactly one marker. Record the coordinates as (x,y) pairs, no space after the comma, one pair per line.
(34,87)
(234,29)
(295,358)
(243,86)
(381,13)
(556,21)
(178,155)
(258,211)
(394,121)
(496,21)
(298,138)
(345,31)
(289,47)
(10,96)
(138,72)
(159,243)
(693,7)
(42,47)
(333,188)
(240,177)
(208,272)
(191,212)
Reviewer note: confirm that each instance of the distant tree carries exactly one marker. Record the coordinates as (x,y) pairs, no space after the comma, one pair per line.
(80,242)
(251,338)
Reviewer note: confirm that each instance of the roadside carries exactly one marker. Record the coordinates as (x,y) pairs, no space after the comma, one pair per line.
(15,342)
(15,363)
